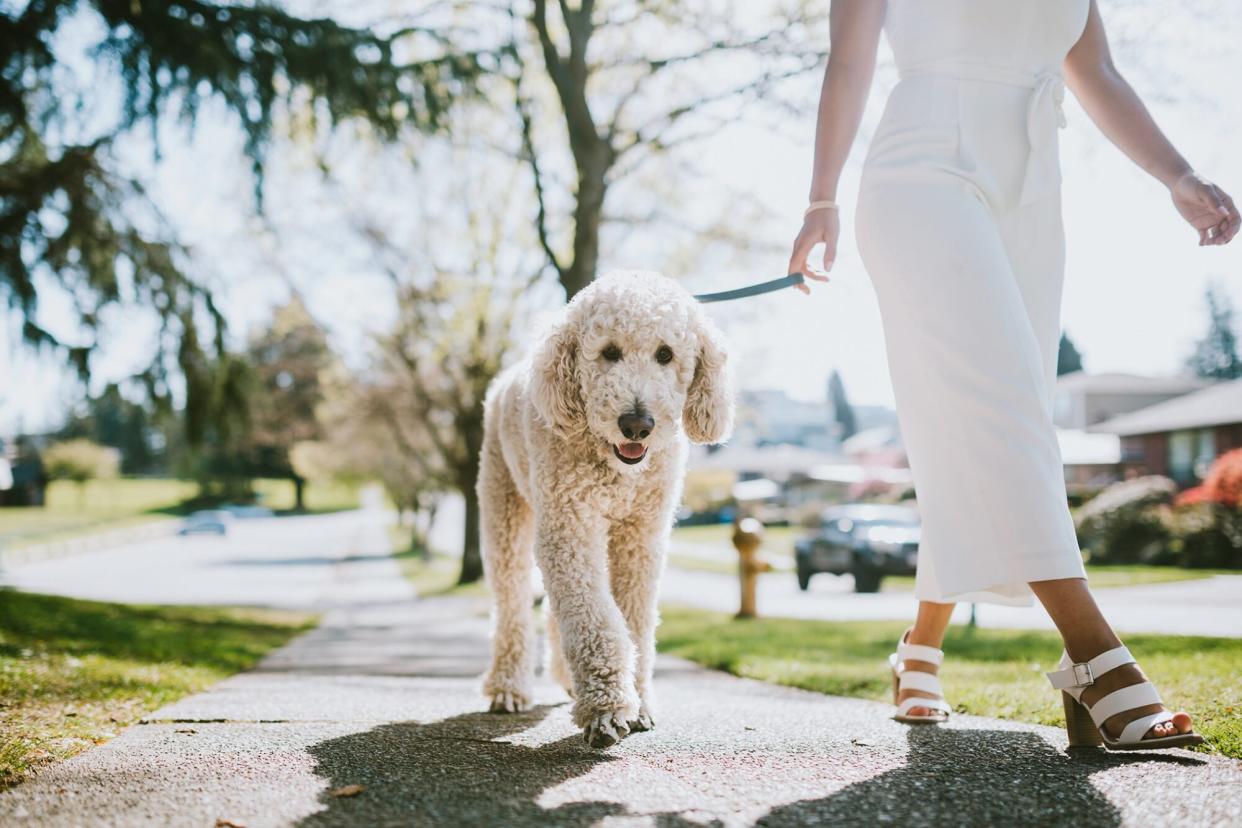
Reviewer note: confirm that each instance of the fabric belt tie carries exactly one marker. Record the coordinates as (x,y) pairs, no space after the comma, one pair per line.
(1046,106)
(1045,114)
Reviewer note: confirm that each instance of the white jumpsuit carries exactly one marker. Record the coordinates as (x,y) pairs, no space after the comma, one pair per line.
(959,227)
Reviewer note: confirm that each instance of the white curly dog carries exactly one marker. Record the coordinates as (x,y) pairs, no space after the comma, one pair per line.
(581,470)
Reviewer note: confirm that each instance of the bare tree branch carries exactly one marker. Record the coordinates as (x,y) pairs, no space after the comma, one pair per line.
(532,159)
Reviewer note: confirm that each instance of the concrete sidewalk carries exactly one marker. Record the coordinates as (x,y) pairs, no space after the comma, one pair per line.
(384,695)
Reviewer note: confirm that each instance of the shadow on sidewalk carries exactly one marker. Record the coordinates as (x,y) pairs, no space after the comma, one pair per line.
(976,777)
(453,772)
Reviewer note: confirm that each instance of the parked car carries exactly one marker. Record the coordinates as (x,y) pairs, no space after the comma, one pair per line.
(866,540)
(208,522)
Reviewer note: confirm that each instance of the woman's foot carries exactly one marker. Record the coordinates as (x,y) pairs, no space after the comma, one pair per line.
(1126,676)
(902,695)
(915,679)
(1108,700)
(1088,637)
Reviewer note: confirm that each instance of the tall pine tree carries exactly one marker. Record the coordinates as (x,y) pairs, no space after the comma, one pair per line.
(842,411)
(1216,355)
(1069,359)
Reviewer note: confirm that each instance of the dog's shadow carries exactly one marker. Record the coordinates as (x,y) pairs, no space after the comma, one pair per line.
(458,771)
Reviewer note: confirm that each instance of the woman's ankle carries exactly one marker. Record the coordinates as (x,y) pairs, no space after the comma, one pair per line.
(925,637)
(930,624)
(1084,647)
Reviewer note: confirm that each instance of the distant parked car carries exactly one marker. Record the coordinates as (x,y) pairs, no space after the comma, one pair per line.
(212,522)
(866,540)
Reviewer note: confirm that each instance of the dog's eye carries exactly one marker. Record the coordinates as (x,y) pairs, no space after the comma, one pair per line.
(664,355)
(612,353)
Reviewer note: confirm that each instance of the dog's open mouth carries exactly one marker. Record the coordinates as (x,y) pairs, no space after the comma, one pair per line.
(630,453)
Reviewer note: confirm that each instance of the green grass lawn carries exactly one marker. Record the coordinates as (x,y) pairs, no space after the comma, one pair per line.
(778,544)
(73,673)
(97,506)
(320,496)
(987,672)
(102,505)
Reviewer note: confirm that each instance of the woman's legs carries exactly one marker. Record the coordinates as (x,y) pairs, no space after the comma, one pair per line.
(1087,634)
(928,630)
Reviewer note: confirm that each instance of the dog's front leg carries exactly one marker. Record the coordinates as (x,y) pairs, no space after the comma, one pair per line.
(572,553)
(636,550)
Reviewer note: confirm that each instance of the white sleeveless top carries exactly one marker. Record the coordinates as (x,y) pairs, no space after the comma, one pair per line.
(981,93)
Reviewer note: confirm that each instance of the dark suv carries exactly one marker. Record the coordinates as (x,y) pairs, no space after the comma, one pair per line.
(867,540)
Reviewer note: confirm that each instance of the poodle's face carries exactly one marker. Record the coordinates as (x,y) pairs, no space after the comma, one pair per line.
(634,364)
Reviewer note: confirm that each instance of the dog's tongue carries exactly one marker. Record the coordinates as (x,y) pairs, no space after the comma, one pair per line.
(631,451)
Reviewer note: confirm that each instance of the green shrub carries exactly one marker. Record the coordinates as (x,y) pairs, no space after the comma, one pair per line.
(1124,524)
(80,461)
(1206,536)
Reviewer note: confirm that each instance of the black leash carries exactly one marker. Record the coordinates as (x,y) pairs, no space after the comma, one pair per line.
(753,290)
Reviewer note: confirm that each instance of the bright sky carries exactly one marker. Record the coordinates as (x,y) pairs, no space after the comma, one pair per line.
(1135,277)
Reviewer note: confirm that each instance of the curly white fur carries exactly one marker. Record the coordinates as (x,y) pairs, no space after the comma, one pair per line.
(552,484)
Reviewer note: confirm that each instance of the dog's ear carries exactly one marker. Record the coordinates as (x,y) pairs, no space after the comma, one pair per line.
(708,415)
(554,387)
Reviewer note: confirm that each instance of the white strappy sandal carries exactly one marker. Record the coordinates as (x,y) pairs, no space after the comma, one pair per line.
(904,679)
(1085,725)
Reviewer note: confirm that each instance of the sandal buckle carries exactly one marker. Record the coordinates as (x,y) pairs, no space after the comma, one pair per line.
(1083,676)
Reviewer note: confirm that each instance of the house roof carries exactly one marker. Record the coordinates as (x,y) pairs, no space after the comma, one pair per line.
(1117,383)
(1219,404)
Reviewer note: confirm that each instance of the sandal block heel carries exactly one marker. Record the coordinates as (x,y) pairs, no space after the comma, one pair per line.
(1078,724)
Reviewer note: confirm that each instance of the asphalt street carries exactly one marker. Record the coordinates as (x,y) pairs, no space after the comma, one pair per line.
(1206,606)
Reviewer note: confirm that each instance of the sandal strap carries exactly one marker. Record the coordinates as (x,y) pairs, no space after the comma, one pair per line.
(918,680)
(1084,674)
(1135,730)
(919,652)
(1119,701)
(930,704)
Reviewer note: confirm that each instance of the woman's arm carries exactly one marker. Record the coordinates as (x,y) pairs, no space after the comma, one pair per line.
(854,37)
(1117,111)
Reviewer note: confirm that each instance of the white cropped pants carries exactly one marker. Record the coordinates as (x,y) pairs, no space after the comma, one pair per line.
(967,261)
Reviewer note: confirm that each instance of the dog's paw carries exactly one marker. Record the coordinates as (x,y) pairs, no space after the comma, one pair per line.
(508,701)
(606,730)
(643,722)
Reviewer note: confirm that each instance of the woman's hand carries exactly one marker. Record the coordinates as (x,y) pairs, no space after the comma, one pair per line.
(1207,208)
(820,226)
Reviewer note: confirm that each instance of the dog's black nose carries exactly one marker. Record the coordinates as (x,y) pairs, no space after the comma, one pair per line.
(636,425)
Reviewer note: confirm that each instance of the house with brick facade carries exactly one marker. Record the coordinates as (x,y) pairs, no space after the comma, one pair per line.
(1180,437)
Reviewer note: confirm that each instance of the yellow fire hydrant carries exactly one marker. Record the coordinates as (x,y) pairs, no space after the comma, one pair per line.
(747,535)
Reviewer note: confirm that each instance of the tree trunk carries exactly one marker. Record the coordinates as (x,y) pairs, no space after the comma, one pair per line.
(299,493)
(593,163)
(471,558)
(426,532)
